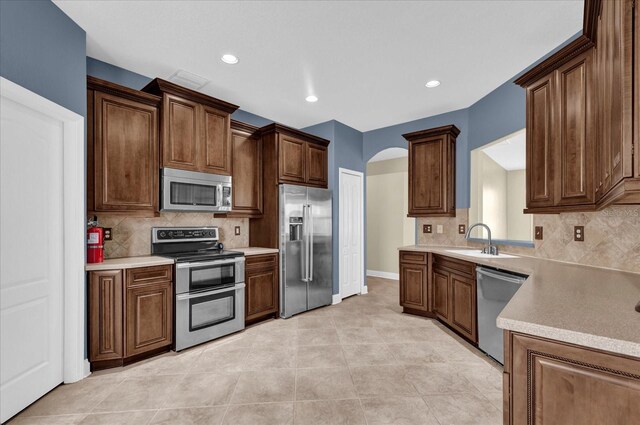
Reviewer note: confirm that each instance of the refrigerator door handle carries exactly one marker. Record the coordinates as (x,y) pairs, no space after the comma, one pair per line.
(305,244)
(311,243)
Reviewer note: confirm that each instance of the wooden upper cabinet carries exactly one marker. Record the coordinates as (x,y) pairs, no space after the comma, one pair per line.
(246,154)
(636,95)
(432,172)
(576,124)
(580,106)
(195,129)
(301,157)
(539,154)
(180,133)
(122,151)
(316,164)
(216,157)
(291,159)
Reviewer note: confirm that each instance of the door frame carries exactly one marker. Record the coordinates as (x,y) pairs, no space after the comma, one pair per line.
(75,366)
(341,172)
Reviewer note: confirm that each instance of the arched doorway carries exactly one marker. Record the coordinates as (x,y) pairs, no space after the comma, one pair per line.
(388,226)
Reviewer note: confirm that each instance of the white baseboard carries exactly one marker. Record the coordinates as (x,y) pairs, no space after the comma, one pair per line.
(384,275)
(87,368)
(336,299)
(364,290)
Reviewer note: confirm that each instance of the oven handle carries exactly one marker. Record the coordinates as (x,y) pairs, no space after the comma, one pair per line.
(209,263)
(189,296)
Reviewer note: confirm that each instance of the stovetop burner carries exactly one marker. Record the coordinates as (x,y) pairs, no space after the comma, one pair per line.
(189,244)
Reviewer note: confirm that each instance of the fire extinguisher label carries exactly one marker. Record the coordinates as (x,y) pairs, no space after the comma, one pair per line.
(93,238)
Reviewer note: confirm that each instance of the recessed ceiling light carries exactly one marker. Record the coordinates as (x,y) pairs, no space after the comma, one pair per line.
(433,83)
(229,58)
(311,98)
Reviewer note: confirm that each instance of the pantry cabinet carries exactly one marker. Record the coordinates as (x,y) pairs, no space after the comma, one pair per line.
(432,164)
(130,314)
(195,129)
(551,382)
(261,279)
(246,170)
(122,149)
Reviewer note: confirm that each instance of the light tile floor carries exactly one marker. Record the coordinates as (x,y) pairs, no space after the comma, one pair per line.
(358,362)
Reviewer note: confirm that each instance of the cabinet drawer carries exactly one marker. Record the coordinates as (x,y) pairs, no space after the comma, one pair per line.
(415,257)
(260,261)
(461,267)
(148,275)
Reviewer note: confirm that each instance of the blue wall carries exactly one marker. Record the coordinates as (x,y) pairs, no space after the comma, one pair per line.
(124,77)
(345,151)
(43,50)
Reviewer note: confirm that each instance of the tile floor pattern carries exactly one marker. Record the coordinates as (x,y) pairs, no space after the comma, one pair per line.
(358,362)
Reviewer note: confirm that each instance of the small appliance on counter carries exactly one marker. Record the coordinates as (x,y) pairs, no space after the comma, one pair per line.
(95,242)
(209,283)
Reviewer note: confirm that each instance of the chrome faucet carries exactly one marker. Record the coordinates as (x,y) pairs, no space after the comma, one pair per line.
(490,248)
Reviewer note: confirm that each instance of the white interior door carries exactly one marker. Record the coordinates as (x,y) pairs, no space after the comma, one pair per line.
(351,263)
(31,255)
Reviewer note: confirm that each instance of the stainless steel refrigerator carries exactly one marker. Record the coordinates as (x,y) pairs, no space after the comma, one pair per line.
(305,249)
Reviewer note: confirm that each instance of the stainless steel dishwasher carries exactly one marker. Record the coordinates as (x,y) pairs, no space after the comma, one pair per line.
(495,289)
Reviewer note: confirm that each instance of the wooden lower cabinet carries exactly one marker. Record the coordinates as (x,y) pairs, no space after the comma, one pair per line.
(130,314)
(554,383)
(105,315)
(441,287)
(262,289)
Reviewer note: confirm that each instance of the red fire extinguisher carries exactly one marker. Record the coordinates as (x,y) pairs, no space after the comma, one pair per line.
(95,243)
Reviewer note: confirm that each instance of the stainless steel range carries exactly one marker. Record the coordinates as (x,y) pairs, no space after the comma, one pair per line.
(209,289)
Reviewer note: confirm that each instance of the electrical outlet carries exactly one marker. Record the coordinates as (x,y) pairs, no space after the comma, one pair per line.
(538,233)
(462,229)
(107,234)
(237,230)
(439,228)
(578,233)
(426,228)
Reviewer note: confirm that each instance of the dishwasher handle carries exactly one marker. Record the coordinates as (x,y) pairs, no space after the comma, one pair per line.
(515,279)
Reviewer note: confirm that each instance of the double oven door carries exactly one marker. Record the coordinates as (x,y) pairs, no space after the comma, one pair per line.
(209,300)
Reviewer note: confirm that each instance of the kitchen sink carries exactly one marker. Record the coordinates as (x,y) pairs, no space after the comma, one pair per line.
(478,253)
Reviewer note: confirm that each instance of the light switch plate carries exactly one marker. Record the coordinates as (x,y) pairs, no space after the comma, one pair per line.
(237,230)
(426,228)
(439,228)
(578,233)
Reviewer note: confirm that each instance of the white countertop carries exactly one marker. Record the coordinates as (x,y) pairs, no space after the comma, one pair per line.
(248,251)
(588,306)
(128,263)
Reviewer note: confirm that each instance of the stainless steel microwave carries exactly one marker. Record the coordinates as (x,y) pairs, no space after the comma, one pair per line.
(193,191)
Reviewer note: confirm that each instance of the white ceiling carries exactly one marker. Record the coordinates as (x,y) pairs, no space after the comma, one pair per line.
(391,153)
(366,61)
(509,153)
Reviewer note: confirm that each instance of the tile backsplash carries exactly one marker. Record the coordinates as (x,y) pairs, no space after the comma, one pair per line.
(612,237)
(132,235)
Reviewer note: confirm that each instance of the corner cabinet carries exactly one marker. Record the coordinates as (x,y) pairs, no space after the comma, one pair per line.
(432,164)
(579,119)
(130,314)
(195,129)
(122,149)
(551,382)
(440,287)
(262,289)
(246,170)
